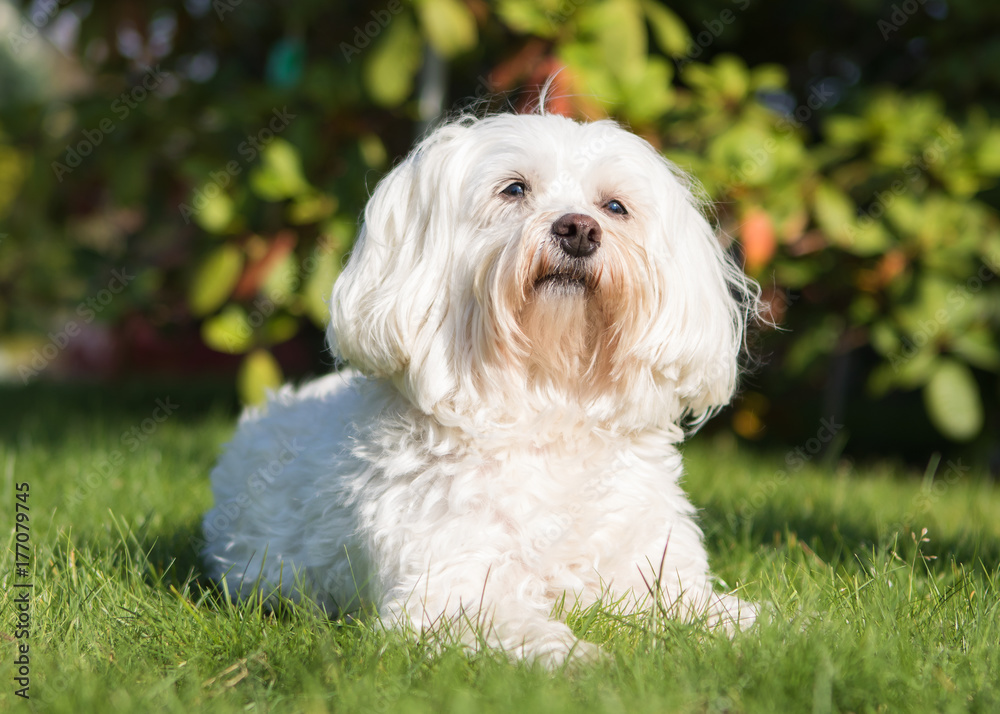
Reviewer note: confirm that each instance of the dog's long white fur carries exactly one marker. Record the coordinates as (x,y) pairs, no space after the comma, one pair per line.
(499,443)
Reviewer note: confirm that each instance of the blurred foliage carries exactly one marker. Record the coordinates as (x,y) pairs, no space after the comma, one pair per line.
(222,152)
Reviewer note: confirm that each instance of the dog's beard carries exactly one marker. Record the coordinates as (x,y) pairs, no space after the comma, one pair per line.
(566,310)
(553,274)
(561,327)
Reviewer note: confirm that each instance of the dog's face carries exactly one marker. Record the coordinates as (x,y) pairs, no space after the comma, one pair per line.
(518,262)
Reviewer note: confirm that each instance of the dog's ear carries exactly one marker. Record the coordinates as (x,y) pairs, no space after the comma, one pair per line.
(706,303)
(388,305)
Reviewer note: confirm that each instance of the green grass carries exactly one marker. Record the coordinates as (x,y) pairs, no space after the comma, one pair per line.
(864,618)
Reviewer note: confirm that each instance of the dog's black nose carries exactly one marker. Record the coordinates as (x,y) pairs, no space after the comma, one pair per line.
(578,235)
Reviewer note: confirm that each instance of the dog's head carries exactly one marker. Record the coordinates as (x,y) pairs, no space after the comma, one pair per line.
(517,262)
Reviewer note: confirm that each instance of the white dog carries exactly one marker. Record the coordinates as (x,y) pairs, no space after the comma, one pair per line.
(536,309)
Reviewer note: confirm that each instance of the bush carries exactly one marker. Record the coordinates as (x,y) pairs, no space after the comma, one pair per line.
(223,151)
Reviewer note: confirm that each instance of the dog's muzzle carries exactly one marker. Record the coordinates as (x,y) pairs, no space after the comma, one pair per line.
(570,268)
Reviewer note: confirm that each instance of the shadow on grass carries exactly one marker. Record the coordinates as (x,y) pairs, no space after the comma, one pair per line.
(838,536)
(175,558)
(49,411)
(175,563)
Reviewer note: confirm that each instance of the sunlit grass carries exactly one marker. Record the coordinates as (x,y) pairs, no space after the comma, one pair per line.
(866,611)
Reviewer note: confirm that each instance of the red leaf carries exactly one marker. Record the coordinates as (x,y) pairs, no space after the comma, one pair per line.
(256,273)
(758,239)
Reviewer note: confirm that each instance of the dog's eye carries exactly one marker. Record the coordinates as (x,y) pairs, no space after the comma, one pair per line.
(616,207)
(516,190)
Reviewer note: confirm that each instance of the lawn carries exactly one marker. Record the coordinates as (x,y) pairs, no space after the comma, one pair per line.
(868,612)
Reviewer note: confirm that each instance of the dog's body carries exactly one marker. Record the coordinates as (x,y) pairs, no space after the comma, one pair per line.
(536,306)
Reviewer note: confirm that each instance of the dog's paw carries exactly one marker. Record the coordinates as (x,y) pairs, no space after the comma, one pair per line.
(585,653)
(731,614)
(553,655)
(554,645)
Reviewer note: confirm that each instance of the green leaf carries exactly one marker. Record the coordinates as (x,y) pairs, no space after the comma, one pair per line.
(372,150)
(229,331)
(13,170)
(259,373)
(906,214)
(279,328)
(670,32)
(336,237)
(213,208)
(280,174)
(907,368)
(864,308)
(813,344)
(699,77)
(393,63)
(768,76)
(740,151)
(311,208)
(988,154)
(319,285)
(620,34)
(979,347)
(651,95)
(797,273)
(282,280)
(937,310)
(449,26)
(733,77)
(845,130)
(528,18)
(586,64)
(914,365)
(868,237)
(952,400)
(834,213)
(215,279)
(884,338)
